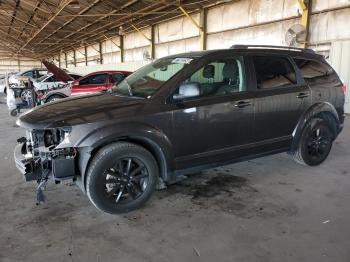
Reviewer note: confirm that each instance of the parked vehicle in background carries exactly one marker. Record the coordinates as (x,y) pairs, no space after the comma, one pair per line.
(31,74)
(49,81)
(91,83)
(98,81)
(181,114)
(3,81)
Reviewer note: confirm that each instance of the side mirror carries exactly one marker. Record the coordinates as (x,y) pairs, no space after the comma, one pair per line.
(75,83)
(187,90)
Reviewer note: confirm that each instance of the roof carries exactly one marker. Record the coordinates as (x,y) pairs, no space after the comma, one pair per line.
(254,49)
(39,29)
(109,72)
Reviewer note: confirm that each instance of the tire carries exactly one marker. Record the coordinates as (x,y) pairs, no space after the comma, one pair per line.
(315,143)
(53,98)
(14,112)
(114,189)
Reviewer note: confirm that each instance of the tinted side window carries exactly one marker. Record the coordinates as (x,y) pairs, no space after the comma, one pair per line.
(94,80)
(75,76)
(220,77)
(41,73)
(273,72)
(312,70)
(117,78)
(28,74)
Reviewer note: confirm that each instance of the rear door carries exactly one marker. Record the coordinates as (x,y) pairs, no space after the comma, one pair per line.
(91,84)
(281,98)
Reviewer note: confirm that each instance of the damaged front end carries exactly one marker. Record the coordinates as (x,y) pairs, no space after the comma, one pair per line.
(38,157)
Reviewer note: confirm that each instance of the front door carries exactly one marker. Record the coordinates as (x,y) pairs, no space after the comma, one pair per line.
(214,124)
(91,84)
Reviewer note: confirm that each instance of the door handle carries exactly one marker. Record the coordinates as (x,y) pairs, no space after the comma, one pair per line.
(242,104)
(302,95)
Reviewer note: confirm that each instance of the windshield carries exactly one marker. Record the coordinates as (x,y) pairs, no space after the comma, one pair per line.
(149,79)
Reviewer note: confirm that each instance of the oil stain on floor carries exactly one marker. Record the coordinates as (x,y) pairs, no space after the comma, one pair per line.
(226,193)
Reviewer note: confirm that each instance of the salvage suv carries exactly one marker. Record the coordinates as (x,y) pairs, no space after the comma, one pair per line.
(181,114)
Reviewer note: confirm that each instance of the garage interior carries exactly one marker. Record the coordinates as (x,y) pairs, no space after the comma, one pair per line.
(266,209)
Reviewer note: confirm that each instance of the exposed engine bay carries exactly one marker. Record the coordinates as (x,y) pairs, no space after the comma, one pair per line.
(42,160)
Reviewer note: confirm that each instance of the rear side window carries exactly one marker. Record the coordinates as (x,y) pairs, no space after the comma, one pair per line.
(273,72)
(312,70)
(117,78)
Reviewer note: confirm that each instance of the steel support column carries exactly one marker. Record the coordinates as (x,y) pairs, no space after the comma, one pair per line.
(74,59)
(201,28)
(85,55)
(150,40)
(153,47)
(100,52)
(65,59)
(305,5)
(121,39)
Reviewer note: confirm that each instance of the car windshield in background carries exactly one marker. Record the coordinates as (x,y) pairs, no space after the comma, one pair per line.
(40,79)
(149,79)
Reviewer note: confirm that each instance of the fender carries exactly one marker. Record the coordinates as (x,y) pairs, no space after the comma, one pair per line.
(147,136)
(315,109)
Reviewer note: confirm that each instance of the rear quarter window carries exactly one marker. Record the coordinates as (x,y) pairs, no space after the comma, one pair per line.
(314,71)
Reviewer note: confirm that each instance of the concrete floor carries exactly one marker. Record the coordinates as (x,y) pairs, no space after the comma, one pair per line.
(268,209)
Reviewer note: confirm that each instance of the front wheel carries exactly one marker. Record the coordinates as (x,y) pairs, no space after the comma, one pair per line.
(14,112)
(315,143)
(54,98)
(121,177)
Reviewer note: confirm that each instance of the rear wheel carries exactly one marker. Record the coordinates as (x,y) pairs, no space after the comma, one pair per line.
(121,177)
(315,143)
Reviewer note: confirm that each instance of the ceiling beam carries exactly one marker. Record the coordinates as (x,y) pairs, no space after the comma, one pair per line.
(67,2)
(70,20)
(16,18)
(130,17)
(29,3)
(120,14)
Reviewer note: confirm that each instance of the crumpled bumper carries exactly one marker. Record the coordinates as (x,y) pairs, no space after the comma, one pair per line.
(25,163)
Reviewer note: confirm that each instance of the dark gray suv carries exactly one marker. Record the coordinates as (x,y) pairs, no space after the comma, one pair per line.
(181,114)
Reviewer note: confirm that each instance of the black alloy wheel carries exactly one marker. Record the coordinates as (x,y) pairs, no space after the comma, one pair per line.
(315,143)
(126,180)
(121,177)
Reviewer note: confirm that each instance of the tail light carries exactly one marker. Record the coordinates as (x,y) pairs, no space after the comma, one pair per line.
(343,87)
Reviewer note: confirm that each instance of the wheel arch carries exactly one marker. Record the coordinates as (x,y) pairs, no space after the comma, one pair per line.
(159,146)
(54,94)
(322,110)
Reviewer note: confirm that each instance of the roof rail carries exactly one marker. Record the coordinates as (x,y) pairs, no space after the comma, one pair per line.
(308,50)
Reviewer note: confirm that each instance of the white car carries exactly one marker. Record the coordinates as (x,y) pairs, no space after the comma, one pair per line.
(57,94)
(30,74)
(3,81)
(49,81)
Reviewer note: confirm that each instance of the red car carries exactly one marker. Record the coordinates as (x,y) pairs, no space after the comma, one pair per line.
(97,81)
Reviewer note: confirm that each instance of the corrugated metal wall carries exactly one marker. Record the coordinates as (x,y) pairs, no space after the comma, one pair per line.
(340,59)
(16,65)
